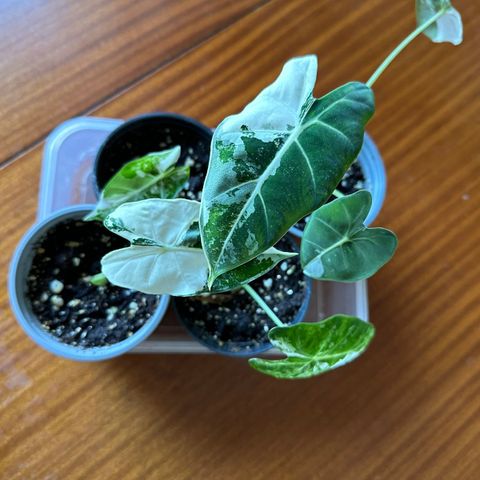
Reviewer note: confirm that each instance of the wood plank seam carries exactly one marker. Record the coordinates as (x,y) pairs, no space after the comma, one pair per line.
(133,83)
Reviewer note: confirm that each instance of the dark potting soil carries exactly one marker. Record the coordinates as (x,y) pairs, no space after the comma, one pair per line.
(234,322)
(67,305)
(352,181)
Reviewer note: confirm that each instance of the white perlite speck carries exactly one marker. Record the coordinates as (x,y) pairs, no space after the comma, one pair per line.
(56,300)
(267,283)
(133,306)
(111,311)
(56,286)
(74,302)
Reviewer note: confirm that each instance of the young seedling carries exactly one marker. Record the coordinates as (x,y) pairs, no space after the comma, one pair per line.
(152,176)
(277,161)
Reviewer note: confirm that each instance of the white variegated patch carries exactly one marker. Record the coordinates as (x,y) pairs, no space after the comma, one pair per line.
(278,106)
(156,262)
(157,270)
(160,261)
(447,28)
(160,221)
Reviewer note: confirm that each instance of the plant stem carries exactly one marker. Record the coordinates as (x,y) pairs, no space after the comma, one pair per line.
(338,193)
(99,279)
(265,307)
(402,45)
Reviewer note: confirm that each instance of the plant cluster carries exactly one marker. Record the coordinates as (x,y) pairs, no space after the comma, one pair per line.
(274,163)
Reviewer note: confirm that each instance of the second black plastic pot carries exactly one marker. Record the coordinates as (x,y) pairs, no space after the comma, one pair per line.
(224,323)
(154,132)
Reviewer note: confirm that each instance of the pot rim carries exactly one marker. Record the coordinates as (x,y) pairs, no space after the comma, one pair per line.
(28,321)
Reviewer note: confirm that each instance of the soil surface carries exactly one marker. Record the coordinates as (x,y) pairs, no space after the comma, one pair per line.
(234,322)
(67,304)
(352,181)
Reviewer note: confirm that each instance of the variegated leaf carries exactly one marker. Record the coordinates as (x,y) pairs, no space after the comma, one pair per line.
(165,256)
(151,176)
(447,28)
(315,348)
(277,161)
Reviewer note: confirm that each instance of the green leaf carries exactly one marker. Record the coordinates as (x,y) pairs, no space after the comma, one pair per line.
(337,246)
(315,348)
(447,28)
(151,176)
(249,271)
(165,256)
(99,280)
(277,161)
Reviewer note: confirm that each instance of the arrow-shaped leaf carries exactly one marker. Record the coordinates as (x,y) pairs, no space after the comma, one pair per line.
(315,348)
(165,256)
(277,161)
(151,176)
(336,245)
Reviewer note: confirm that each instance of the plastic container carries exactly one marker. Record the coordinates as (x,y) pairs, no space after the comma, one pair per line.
(69,155)
(375,179)
(327,298)
(21,306)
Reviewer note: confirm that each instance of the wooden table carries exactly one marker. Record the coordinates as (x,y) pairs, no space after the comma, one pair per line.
(409,408)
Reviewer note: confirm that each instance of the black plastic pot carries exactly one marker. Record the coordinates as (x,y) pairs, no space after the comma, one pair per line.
(195,308)
(154,132)
(24,308)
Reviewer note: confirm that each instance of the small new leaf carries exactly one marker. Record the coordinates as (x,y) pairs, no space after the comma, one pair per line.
(99,280)
(448,26)
(315,348)
(336,245)
(151,176)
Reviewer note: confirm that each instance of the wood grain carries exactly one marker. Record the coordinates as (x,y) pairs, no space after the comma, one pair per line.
(58,58)
(409,408)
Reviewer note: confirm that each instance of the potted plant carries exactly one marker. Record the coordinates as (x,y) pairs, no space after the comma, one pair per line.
(56,291)
(273,164)
(277,161)
(154,132)
(233,323)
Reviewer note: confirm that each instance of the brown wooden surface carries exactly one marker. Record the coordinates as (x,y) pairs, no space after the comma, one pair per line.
(59,58)
(409,408)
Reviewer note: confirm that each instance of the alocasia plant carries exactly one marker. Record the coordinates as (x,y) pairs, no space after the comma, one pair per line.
(277,161)
(250,199)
